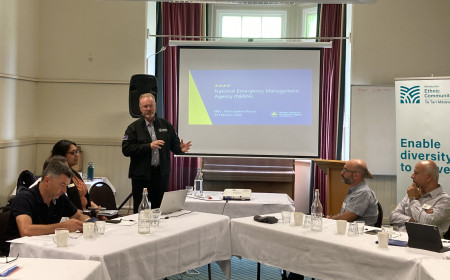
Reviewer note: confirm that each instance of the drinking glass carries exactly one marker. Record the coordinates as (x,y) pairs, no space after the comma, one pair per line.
(190,190)
(100,227)
(286,217)
(154,220)
(388,229)
(352,229)
(307,221)
(360,227)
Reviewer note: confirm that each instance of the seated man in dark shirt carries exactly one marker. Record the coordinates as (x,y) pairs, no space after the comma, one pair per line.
(38,210)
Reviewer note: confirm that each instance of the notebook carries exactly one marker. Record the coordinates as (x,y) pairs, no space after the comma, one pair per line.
(237,194)
(173,201)
(425,237)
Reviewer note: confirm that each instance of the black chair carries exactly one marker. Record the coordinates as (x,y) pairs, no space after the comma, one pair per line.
(102,194)
(380,216)
(4,218)
(447,234)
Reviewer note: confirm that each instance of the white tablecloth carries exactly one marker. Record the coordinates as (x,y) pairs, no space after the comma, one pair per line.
(324,255)
(432,269)
(49,269)
(259,204)
(179,244)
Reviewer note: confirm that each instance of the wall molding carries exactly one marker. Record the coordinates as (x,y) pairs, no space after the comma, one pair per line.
(62,81)
(53,140)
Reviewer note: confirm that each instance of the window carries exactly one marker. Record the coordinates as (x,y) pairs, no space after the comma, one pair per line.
(310,23)
(251,24)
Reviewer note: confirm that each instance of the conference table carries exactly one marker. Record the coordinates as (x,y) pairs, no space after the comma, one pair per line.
(325,255)
(52,269)
(259,204)
(431,269)
(181,243)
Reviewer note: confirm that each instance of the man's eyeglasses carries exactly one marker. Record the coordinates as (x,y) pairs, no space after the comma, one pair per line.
(7,260)
(74,152)
(349,171)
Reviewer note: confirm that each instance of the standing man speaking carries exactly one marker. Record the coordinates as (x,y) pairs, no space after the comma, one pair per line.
(148,142)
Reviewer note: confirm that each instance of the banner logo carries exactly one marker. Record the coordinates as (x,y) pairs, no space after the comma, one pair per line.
(410,95)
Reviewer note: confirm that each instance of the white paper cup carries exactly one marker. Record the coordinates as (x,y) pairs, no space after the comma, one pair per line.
(383,239)
(88,229)
(298,218)
(61,237)
(341,226)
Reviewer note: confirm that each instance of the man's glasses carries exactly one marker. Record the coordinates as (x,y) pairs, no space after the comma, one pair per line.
(349,171)
(7,260)
(74,152)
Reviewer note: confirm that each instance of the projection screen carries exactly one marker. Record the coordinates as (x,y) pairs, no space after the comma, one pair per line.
(261,102)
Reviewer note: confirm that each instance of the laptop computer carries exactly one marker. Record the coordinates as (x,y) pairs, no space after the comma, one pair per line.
(173,201)
(237,194)
(425,237)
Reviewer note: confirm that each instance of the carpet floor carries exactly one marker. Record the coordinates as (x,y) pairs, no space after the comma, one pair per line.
(241,269)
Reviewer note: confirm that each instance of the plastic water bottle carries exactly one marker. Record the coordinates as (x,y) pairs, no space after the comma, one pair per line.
(316,213)
(90,171)
(144,214)
(198,183)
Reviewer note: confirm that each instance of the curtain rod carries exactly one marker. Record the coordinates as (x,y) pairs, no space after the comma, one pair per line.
(248,39)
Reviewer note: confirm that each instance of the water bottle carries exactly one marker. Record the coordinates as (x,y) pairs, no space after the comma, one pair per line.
(144,214)
(90,171)
(198,183)
(316,213)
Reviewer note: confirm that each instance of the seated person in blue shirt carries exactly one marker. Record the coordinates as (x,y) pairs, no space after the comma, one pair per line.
(38,210)
(360,204)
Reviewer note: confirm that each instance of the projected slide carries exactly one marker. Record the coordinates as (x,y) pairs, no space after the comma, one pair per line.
(250,97)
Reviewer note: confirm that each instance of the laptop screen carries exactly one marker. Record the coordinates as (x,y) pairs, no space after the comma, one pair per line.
(173,201)
(423,236)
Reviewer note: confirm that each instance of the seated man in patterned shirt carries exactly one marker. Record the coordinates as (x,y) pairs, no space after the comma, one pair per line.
(425,201)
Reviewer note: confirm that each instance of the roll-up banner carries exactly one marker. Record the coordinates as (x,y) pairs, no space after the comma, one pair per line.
(423,130)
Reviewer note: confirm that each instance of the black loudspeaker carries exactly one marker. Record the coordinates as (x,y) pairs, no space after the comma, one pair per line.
(139,84)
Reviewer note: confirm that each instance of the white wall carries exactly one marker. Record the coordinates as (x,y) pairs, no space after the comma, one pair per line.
(65,66)
(400,38)
(393,39)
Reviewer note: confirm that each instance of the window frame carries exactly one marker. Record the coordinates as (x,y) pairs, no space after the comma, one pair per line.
(220,13)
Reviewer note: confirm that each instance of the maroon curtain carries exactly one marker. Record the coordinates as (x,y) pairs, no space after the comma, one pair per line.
(186,20)
(331,25)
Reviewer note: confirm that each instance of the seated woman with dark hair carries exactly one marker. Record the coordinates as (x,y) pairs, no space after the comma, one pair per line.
(68,149)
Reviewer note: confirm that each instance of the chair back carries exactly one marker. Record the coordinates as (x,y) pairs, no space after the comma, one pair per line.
(447,234)
(380,215)
(25,180)
(102,194)
(4,219)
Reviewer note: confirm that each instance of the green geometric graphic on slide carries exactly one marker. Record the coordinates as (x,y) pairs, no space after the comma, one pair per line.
(197,110)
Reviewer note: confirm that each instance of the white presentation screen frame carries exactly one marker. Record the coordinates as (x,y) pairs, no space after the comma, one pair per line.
(226,94)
